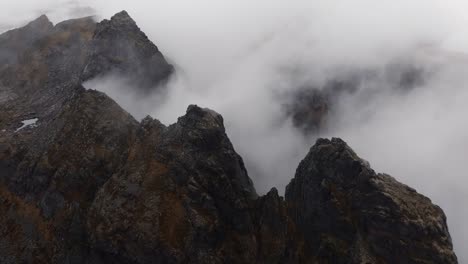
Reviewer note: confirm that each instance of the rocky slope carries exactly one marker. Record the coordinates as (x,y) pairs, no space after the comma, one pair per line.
(84,182)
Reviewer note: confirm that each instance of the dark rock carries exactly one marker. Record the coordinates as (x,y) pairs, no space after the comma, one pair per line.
(53,173)
(273,229)
(309,110)
(16,41)
(50,63)
(119,47)
(89,184)
(192,201)
(349,214)
(312,106)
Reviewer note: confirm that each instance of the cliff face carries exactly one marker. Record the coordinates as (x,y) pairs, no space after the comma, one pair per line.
(349,214)
(44,71)
(121,48)
(81,181)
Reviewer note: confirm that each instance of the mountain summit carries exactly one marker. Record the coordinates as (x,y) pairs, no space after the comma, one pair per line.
(120,47)
(81,181)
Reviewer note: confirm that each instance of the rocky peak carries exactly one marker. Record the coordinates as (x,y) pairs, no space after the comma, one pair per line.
(31,31)
(312,106)
(16,41)
(119,47)
(203,133)
(202,118)
(122,19)
(78,25)
(349,214)
(42,68)
(87,183)
(326,154)
(41,24)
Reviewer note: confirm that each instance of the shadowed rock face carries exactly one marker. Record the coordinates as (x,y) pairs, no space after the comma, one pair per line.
(87,183)
(349,214)
(121,48)
(46,63)
(50,173)
(182,195)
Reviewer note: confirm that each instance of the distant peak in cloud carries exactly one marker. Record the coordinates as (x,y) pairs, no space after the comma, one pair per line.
(122,18)
(41,19)
(40,24)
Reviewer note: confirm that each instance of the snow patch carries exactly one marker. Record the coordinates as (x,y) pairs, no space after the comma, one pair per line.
(28,123)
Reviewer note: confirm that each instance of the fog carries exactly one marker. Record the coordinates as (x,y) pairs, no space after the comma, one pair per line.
(244,59)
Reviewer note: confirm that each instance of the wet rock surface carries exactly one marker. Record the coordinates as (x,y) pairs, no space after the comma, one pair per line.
(87,183)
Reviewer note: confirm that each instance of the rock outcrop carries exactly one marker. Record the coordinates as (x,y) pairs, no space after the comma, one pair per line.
(43,64)
(182,196)
(349,214)
(121,48)
(86,183)
(16,41)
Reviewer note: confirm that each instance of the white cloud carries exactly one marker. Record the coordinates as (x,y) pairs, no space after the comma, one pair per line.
(232,57)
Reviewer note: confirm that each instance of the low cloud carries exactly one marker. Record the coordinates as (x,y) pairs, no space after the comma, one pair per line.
(244,59)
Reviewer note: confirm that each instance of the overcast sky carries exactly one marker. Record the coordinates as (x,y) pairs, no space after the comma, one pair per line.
(235,56)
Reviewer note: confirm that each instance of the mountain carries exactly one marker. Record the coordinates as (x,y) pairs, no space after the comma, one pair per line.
(81,181)
(312,105)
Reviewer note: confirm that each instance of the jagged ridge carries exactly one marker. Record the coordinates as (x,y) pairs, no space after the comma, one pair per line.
(90,184)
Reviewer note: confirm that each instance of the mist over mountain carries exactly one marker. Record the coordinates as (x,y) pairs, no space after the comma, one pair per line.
(388,78)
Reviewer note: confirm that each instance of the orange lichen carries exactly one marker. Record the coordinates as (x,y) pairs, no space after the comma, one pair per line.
(26,211)
(155,171)
(173,221)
